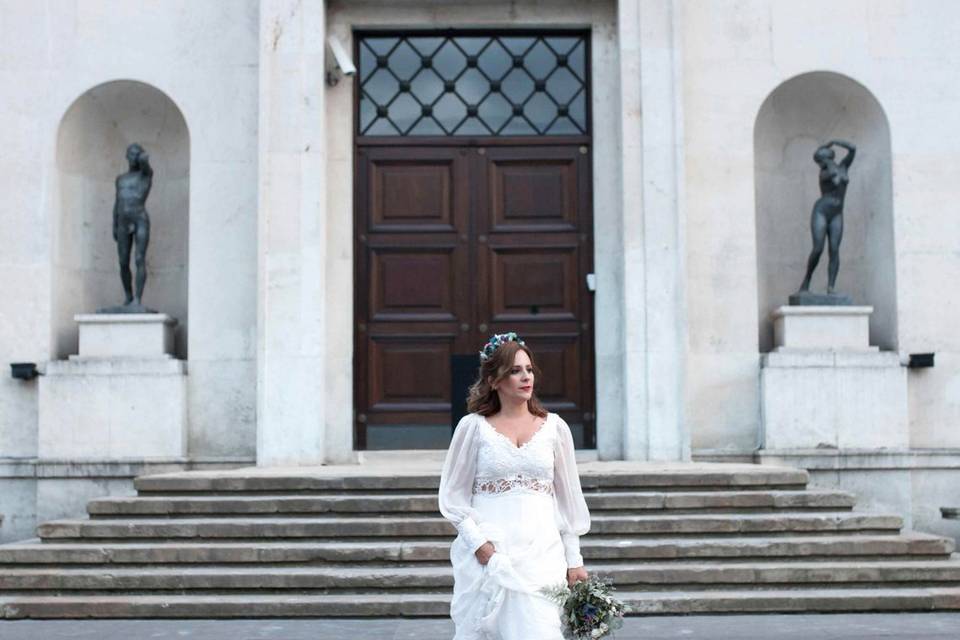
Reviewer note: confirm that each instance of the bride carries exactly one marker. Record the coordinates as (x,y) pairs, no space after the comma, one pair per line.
(510,486)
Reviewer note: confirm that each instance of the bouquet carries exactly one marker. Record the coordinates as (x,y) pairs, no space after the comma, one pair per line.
(588,609)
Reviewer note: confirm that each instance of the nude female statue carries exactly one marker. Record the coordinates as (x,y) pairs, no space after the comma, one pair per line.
(826,221)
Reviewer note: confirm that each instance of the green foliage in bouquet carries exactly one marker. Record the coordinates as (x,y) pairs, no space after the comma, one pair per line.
(588,609)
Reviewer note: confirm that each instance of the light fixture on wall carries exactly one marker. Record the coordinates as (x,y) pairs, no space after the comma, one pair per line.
(920,360)
(24,370)
(342,64)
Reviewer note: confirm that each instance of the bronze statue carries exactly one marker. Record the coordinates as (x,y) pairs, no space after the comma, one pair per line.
(826,221)
(131,227)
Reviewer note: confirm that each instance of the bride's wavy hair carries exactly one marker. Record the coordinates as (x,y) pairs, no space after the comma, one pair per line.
(483,398)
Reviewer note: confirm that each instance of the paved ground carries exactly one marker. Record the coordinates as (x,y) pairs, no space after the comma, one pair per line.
(916,626)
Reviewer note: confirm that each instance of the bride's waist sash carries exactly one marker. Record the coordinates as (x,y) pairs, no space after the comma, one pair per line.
(495,486)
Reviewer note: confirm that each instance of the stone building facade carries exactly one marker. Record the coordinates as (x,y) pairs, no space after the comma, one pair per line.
(703,118)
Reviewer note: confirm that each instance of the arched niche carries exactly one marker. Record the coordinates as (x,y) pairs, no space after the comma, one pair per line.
(91,146)
(798,116)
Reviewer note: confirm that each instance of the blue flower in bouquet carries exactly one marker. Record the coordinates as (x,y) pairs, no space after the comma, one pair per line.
(588,612)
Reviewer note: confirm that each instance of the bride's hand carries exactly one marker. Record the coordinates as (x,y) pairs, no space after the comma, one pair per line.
(575,575)
(485,552)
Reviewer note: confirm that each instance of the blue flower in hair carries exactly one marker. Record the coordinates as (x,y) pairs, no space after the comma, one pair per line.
(494,343)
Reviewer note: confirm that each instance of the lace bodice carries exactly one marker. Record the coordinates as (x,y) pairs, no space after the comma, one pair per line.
(502,466)
(481,460)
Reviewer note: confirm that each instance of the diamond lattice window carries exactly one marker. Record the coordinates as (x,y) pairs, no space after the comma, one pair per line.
(473,85)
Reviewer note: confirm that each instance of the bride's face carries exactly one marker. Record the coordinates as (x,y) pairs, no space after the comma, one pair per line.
(518,385)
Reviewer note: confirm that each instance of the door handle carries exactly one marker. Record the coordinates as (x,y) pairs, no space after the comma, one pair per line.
(482,328)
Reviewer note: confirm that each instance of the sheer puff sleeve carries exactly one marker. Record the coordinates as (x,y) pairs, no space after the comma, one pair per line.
(573,517)
(456,482)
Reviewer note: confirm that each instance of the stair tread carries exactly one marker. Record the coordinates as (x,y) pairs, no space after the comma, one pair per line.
(434,604)
(904,535)
(594,567)
(746,594)
(188,505)
(259,497)
(352,477)
(386,526)
(816,515)
(187,553)
(443,597)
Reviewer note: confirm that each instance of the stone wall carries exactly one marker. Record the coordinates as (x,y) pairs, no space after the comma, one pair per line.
(203,57)
(735,55)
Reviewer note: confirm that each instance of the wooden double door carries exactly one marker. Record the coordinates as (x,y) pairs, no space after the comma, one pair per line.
(456,243)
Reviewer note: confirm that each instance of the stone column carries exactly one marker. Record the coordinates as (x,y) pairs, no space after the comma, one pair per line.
(292,219)
(654,319)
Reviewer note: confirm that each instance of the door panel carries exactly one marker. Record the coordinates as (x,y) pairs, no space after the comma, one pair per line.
(532,194)
(412,196)
(409,373)
(411,284)
(533,283)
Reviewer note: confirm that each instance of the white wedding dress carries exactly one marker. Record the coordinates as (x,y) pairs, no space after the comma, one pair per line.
(527,501)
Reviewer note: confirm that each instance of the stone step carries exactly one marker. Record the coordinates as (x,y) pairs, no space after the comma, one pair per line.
(794,601)
(632,576)
(667,477)
(326,526)
(427,604)
(694,501)
(223,606)
(247,528)
(828,574)
(750,523)
(908,544)
(250,505)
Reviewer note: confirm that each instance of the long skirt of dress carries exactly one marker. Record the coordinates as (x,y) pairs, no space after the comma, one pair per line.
(500,600)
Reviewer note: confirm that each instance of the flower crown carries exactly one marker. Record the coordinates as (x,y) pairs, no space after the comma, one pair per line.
(495,342)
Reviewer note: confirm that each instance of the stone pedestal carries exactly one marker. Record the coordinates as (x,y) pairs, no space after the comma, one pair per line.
(122,396)
(125,335)
(822,328)
(824,386)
